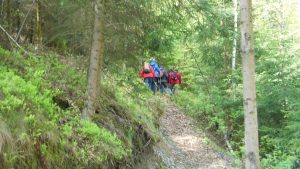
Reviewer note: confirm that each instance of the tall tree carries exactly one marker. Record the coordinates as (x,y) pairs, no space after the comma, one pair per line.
(96,59)
(250,109)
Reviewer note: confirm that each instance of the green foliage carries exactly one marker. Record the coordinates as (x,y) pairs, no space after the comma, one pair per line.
(97,135)
(29,115)
(132,94)
(22,98)
(46,132)
(196,35)
(277,86)
(212,99)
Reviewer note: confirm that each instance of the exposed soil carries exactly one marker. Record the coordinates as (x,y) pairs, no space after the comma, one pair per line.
(183,147)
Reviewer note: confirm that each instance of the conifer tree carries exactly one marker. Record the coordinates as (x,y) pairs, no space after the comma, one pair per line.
(96,58)
(249,98)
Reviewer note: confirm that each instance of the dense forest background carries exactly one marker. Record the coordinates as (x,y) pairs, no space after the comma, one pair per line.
(45,49)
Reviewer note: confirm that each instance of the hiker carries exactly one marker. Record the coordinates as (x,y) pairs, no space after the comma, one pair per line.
(148,74)
(156,69)
(174,78)
(163,79)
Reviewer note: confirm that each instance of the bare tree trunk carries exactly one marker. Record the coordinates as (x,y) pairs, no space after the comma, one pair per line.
(18,16)
(96,60)
(30,34)
(38,29)
(223,24)
(8,17)
(225,57)
(234,46)
(234,34)
(8,14)
(2,6)
(250,110)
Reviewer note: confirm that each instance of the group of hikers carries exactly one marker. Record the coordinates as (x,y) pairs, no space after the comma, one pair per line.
(157,78)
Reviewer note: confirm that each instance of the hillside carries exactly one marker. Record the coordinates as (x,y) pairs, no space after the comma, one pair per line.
(41,124)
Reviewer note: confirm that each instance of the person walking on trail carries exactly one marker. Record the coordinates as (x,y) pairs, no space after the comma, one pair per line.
(174,78)
(156,69)
(163,79)
(147,73)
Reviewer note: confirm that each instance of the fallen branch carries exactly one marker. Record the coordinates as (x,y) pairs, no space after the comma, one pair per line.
(148,142)
(228,143)
(12,39)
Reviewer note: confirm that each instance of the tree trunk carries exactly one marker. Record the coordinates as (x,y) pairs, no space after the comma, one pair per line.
(233,64)
(8,16)
(18,17)
(234,34)
(2,6)
(30,34)
(250,110)
(38,29)
(96,60)
(223,24)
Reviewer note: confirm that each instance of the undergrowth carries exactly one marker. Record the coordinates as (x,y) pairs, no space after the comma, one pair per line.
(41,99)
(220,111)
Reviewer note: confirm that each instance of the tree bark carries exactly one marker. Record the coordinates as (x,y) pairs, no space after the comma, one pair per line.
(250,110)
(96,60)
(18,16)
(38,29)
(233,64)
(223,24)
(2,6)
(8,15)
(234,34)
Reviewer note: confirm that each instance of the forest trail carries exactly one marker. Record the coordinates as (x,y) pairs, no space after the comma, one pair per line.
(182,147)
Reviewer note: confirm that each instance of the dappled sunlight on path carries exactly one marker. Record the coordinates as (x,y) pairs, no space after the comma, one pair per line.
(182,147)
(188,142)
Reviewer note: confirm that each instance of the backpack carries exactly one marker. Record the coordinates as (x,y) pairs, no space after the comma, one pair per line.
(147,68)
(174,75)
(156,70)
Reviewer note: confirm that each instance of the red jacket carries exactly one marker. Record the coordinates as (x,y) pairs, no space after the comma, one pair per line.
(171,79)
(145,75)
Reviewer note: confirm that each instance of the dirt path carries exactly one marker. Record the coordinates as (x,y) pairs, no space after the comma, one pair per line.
(182,147)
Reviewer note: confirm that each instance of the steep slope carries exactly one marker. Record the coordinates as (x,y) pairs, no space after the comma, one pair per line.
(41,98)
